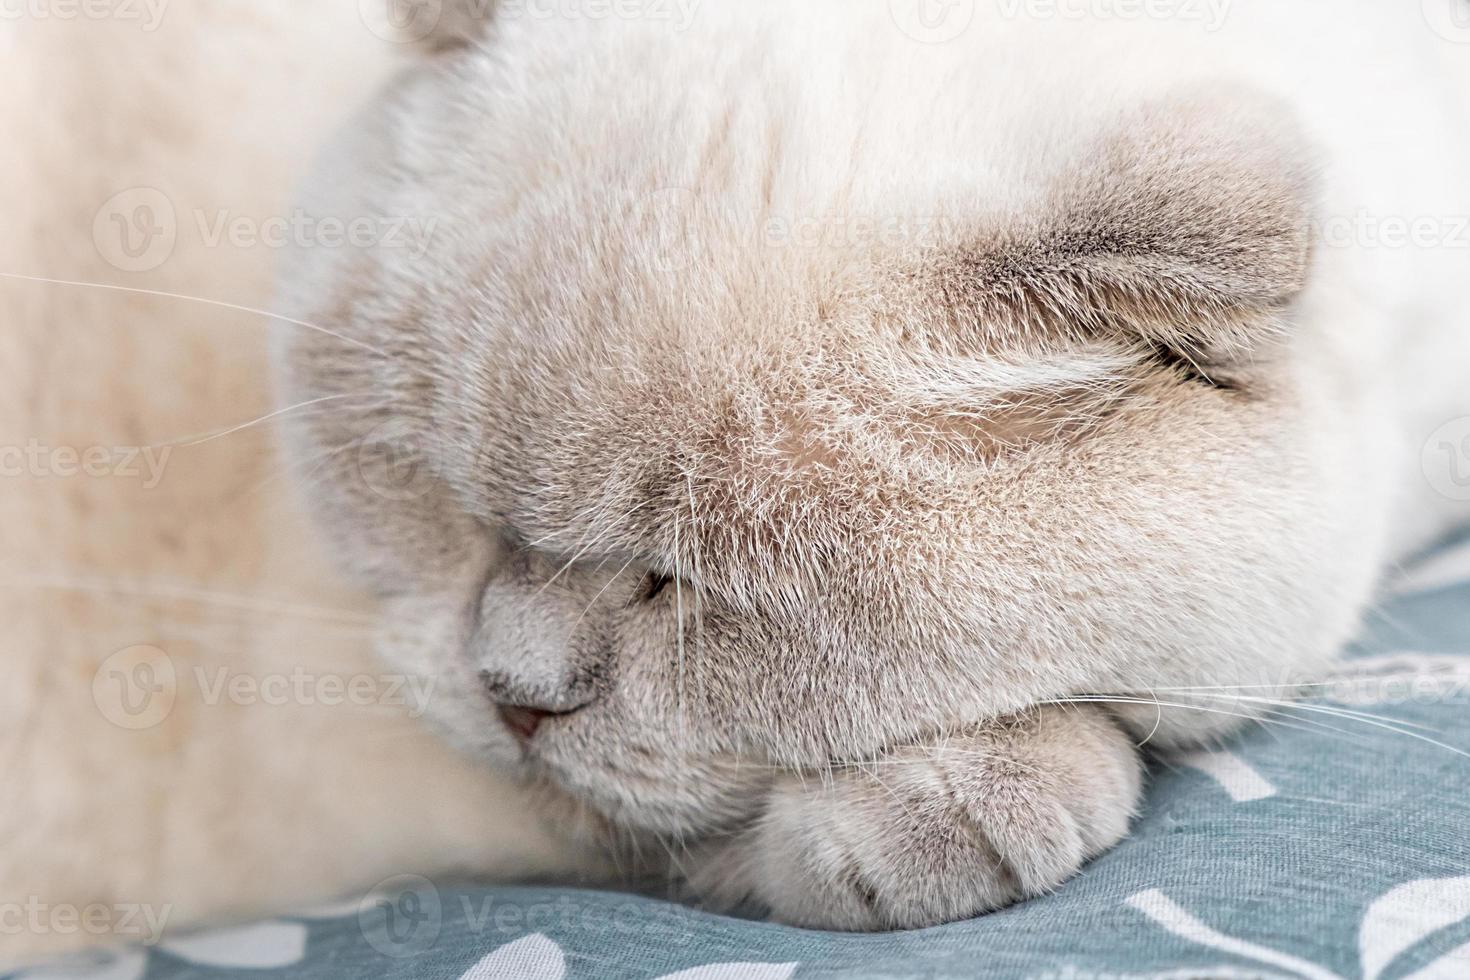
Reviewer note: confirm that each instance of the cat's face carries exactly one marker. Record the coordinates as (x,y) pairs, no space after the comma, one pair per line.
(731,421)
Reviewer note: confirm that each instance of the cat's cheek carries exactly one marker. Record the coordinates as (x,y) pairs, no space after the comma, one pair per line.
(645,776)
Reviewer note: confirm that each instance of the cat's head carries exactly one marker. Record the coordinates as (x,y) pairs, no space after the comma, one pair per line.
(778,390)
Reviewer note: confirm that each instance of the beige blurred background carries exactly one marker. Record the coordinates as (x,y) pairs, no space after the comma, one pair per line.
(140,574)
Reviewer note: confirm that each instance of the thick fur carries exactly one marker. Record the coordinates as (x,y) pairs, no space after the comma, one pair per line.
(1100,413)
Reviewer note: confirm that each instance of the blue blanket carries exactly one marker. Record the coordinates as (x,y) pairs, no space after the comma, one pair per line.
(1333,842)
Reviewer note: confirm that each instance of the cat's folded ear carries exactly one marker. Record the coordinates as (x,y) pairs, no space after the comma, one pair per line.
(1187,223)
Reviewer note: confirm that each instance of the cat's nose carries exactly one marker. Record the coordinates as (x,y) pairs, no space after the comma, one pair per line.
(535,654)
(522,722)
(522,709)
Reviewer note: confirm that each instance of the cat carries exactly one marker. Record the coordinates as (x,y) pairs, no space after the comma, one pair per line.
(832,450)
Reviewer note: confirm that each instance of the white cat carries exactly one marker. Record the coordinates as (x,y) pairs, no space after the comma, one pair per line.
(801,414)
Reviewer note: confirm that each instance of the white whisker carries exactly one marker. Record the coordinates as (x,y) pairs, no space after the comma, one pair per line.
(1195,707)
(202,438)
(218,304)
(149,590)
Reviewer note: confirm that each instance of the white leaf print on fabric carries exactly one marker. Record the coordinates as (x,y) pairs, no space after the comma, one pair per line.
(736,971)
(1157,906)
(128,965)
(1408,914)
(263,946)
(1455,966)
(532,958)
(1393,924)
(1233,773)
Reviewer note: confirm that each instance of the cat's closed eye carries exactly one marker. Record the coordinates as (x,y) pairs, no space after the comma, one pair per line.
(655,586)
(1197,368)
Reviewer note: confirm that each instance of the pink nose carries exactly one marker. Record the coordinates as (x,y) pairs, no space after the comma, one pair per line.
(522,722)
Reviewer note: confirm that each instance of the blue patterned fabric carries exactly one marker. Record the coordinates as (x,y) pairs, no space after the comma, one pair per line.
(1328,846)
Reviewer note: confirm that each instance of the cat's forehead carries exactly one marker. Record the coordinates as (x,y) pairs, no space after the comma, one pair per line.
(767,144)
(773,317)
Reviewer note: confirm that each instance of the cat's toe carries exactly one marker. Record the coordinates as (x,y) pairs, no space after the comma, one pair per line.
(944,831)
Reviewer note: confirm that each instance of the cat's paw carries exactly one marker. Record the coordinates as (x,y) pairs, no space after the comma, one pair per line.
(938,832)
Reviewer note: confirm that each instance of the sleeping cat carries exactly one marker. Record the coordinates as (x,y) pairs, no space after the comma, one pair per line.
(832,454)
